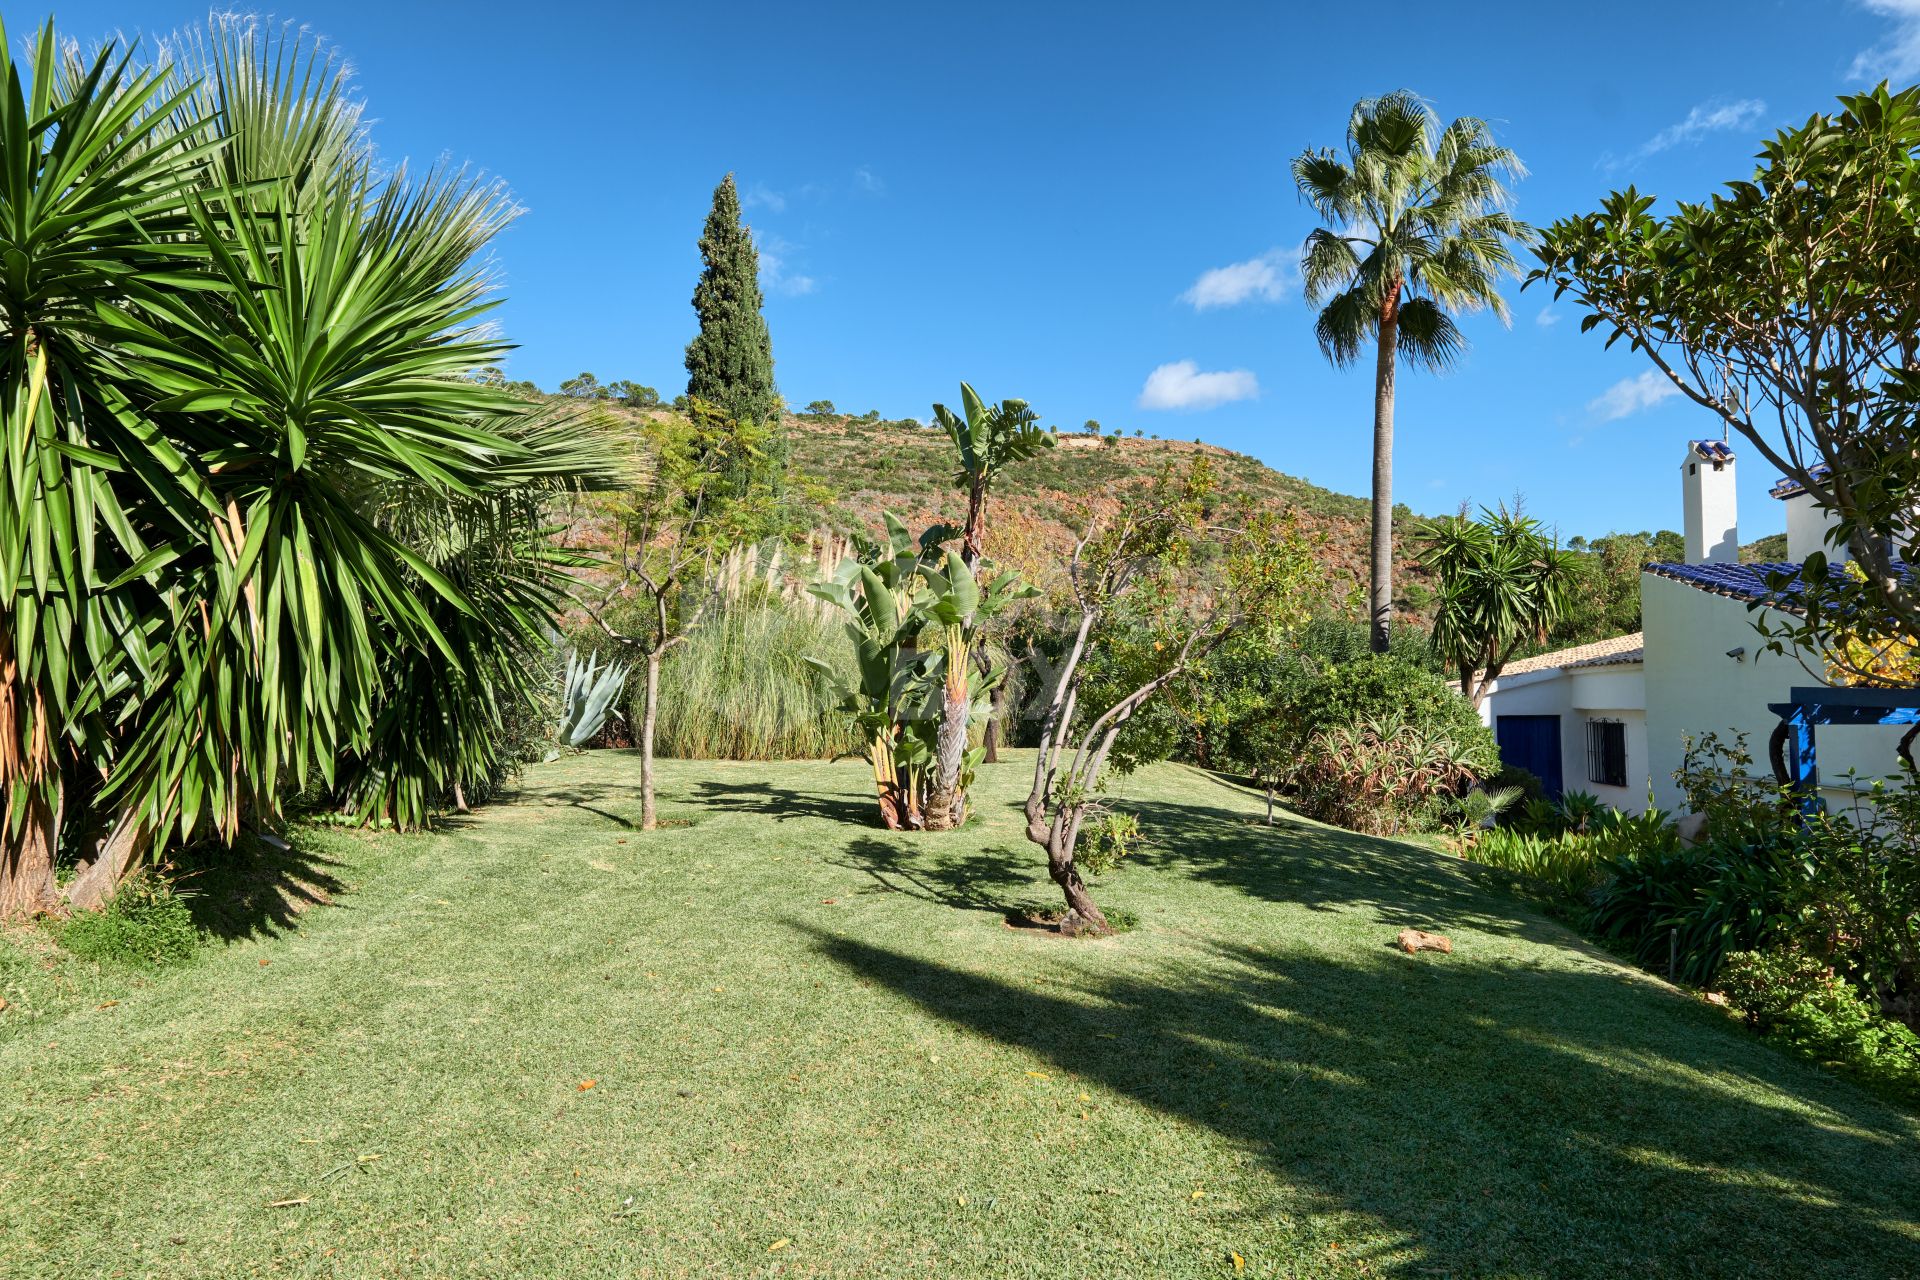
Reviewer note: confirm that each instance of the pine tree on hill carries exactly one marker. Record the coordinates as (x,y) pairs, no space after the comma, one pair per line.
(730,361)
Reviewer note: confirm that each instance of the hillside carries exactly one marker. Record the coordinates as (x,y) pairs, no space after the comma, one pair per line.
(853,470)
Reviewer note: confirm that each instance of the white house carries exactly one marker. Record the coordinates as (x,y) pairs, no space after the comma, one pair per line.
(1577,719)
(1696,666)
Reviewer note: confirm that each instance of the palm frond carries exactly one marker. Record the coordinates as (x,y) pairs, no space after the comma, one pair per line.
(1428,336)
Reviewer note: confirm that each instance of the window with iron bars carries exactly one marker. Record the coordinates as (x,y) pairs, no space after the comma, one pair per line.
(1607,752)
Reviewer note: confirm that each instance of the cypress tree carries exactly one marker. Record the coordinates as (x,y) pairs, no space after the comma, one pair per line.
(730,361)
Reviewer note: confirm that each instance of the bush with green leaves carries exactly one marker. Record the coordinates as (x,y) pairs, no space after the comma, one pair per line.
(1681,911)
(1105,843)
(1383,776)
(1800,1002)
(1572,863)
(145,925)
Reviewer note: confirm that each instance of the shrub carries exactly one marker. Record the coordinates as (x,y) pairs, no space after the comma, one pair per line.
(1111,839)
(145,925)
(1682,911)
(1391,691)
(1574,863)
(1381,776)
(1565,865)
(1802,1004)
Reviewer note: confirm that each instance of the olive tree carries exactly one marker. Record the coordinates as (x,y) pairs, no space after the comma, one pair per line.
(1139,594)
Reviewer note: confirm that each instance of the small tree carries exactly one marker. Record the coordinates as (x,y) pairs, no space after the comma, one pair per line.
(674,523)
(1091,426)
(584,386)
(1503,584)
(820,409)
(633,394)
(1136,572)
(1787,306)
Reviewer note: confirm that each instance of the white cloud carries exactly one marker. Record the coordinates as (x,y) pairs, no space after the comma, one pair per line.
(1181,385)
(1708,117)
(1704,119)
(759,196)
(867,181)
(1269,277)
(1632,395)
(774,275)
(1547,318)
(1898,56)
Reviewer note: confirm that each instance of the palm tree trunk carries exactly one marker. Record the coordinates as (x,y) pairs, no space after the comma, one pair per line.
(1380,597)
(26,858)
(118,855)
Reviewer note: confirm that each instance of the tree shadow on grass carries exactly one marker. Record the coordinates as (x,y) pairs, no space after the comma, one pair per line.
(255,888)
(783,804)
(1326,869)
(593,798)
(983,880)
(1482,1118)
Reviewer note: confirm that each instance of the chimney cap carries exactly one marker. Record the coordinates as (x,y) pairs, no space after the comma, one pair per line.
(1714,451)
(1787,487)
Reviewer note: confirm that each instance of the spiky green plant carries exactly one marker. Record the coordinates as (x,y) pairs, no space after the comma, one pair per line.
(232,349)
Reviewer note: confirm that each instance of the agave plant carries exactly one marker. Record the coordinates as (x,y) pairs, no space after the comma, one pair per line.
(589,694)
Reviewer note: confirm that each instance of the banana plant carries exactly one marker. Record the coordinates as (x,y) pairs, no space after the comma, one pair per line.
(958,603)
(985,441)
(879,589)
(915,705)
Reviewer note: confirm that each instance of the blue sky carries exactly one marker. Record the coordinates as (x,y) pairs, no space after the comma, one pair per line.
(1032,197)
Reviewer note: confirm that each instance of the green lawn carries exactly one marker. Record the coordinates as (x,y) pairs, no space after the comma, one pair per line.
(800,1029)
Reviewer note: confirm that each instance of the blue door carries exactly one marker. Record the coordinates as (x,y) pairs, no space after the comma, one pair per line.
(1532,743)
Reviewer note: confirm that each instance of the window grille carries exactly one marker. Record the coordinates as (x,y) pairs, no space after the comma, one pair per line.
(1607,752)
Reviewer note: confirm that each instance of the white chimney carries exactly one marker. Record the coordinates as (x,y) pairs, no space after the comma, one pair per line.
(1707,504)
(1807,523)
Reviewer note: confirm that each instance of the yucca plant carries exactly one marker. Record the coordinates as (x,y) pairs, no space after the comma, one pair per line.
(233,352)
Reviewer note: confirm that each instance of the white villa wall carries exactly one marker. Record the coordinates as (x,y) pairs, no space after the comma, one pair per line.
(1693,687)
(1615,692)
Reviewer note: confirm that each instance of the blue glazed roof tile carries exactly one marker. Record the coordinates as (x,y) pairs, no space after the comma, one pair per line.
(1744,581)
(1711,450)
(1787,487)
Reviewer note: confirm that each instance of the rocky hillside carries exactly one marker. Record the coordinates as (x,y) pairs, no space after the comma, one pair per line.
(853,470)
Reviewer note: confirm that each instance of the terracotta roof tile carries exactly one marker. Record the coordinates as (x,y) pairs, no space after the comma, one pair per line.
(1601,653)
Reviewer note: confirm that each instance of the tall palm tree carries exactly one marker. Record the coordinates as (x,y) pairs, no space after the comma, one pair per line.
(1417,230)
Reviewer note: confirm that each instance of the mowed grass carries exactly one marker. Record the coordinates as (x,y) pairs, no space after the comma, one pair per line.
(817,1049)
